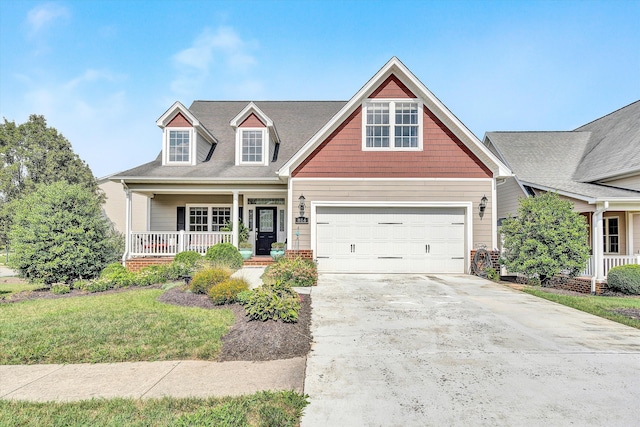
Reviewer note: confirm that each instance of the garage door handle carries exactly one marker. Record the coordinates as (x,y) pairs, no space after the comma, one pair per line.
(457,257)
(427,249)
(353,249)
(389,257)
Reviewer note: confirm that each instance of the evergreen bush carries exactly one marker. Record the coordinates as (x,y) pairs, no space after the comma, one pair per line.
(625,278)
(224,255)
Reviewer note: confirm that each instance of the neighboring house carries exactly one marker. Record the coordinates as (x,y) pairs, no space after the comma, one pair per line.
(389,181)
(114,207)
(597,167)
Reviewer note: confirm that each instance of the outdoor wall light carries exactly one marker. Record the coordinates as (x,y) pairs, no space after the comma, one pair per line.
(482,206)
(301,205)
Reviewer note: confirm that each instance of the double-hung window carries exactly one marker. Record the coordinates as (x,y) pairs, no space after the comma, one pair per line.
(252,146)
(392,125)
(611,236)
(208,218)
(178,146)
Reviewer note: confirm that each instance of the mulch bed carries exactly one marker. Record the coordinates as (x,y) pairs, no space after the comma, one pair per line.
(253,340)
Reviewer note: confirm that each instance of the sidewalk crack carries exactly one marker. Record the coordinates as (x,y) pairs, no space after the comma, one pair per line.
(31,382)
(160,379)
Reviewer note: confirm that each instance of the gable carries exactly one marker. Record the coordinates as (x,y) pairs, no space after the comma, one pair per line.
(443,155)
(179,121)
(392,88)
(252,122)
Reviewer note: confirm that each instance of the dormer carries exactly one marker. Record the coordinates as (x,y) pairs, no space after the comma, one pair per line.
(183,136)
(255,134)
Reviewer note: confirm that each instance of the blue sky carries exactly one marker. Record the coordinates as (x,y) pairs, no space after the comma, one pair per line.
(102,72)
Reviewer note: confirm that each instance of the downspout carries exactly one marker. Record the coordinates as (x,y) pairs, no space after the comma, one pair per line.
(598,249)
(127,236)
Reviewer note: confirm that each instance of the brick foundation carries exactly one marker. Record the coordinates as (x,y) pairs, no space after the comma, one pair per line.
(137,264)
(575,284)
(303,253)
(495,258)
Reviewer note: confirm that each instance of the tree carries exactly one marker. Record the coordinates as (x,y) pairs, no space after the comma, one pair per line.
(31,154)
(546,237)
(59,234)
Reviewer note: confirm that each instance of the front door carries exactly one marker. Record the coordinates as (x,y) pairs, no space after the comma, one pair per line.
(265,230)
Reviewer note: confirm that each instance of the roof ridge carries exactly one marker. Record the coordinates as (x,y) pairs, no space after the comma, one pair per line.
(606,115)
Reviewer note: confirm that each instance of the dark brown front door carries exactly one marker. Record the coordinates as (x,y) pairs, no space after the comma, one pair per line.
(265,230)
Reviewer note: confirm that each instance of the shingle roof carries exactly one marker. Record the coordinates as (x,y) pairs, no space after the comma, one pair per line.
(295,121)
(549,159)
(614,147)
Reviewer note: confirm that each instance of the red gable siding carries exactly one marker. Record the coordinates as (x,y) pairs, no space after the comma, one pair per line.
(392,88)
(252,122)
(341,155)
(179,121)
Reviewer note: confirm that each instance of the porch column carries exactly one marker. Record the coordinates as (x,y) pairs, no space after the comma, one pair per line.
(598,242)
(235,218)
(127,221)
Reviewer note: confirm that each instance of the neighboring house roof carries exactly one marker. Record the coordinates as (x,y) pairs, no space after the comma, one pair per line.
(614,146)
(296,122)
(572,162)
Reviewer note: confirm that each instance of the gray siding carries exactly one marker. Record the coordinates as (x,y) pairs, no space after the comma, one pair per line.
(509,194)
(636,233)
(203,148)
(163,207)
(396,191)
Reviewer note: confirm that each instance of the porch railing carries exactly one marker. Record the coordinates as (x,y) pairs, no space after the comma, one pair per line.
(609,262)
(161,243)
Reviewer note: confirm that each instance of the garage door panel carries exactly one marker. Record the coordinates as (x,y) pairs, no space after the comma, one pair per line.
(390,239)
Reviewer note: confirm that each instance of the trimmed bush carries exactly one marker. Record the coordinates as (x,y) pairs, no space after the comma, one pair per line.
(151,275)
(625,278)
(275,301)
(60,288)
(203,280)
(117,275)
(224,254)
(292,271)
(227,292)
(188,258)
(97,285)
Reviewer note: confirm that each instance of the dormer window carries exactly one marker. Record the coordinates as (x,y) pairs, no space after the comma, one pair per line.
(253,146)
(392,125)
(179,146)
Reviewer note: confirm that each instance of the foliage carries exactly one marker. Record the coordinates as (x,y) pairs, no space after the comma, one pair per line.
(296,271)
(117,275)
(611,308)
(273,301)
(243,231)
(119,327)
(31,154)
(625,279)
(227,292)
(96,285)
(60,288)
(224,254)
(203,280)
(188,258)
(243,296)
(492,274)
(264,408)
(60,235)
(277,246)
(545,238)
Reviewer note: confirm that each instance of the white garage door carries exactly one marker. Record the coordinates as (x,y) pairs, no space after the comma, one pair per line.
(390,240)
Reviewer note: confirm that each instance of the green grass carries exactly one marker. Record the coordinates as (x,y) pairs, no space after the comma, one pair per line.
(260,409)
(127,326)
(600,306)
(8,289)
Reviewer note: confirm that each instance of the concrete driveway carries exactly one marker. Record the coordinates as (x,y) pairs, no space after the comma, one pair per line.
(411,350)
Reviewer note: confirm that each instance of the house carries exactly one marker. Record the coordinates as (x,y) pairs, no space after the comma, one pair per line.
(388,181)
(597,167)
(114,206)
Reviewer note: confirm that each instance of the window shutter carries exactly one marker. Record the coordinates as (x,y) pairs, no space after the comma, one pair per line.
(180,215)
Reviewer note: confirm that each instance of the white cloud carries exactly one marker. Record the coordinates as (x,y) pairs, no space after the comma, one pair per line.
(43,15)
(219,52)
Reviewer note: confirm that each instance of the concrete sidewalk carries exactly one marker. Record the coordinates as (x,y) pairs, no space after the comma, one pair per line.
(189,378)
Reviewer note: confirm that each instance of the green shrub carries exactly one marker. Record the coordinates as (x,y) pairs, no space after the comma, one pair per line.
(60,288)
(117,275)
(96,285)
(203,280)
(275,301)
(492,274)
(243,296)
(292,271)
(189,258)
(224,254)
(151,275)
(625,278)
(227,292)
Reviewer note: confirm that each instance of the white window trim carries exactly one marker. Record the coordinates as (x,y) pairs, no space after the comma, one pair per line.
(265,146)
(392,109)
(188,207)
(192,146)
(605,233)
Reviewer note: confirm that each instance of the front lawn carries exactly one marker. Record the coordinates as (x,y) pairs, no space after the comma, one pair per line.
(120,327)
(621,310)
(260,409)
(13,285)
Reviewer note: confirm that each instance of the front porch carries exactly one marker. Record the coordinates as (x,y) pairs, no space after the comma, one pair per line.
(608,262)
(163,243)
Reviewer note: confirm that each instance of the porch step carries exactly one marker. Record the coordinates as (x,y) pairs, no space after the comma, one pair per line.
(258,261)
